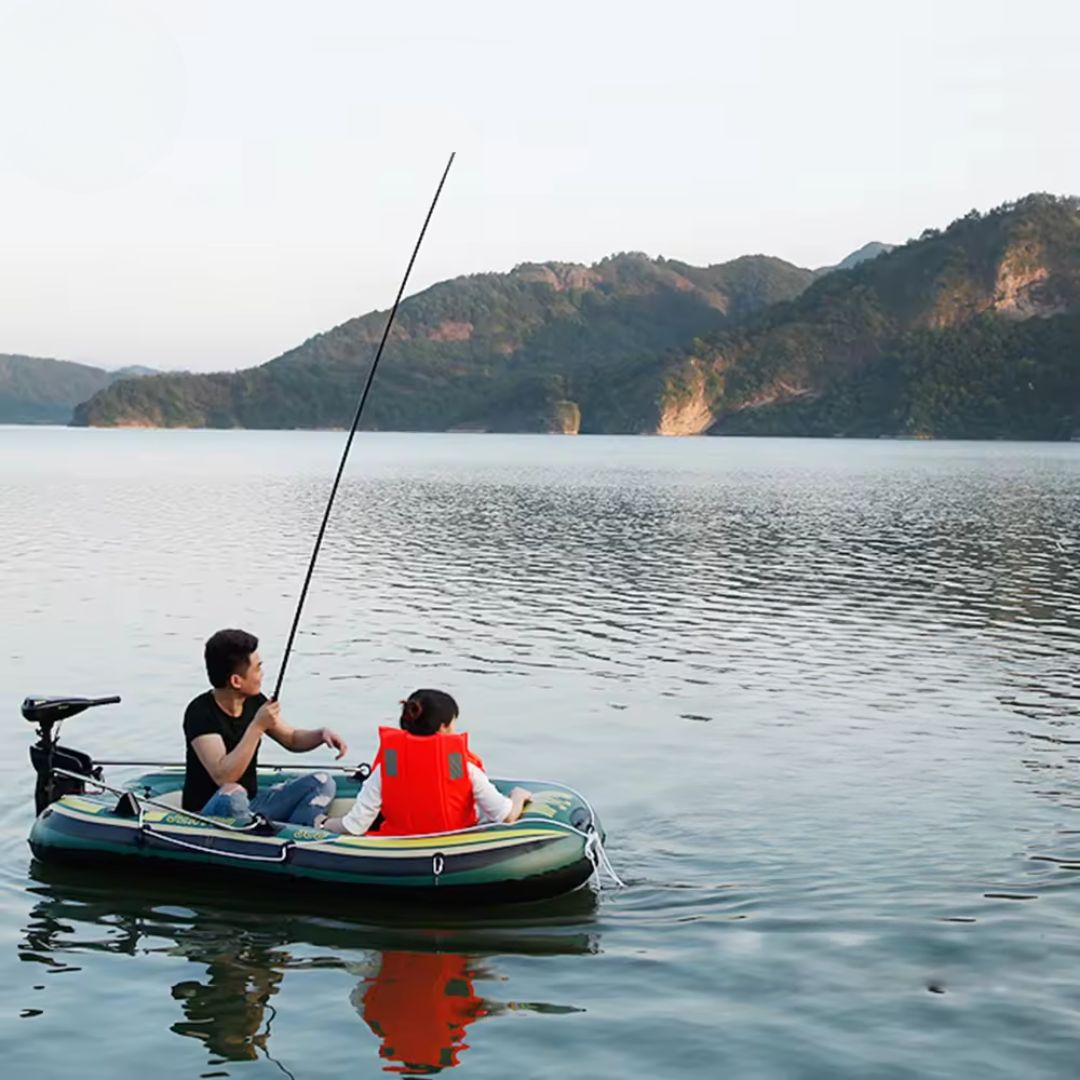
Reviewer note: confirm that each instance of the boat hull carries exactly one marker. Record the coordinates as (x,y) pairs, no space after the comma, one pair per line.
(545,854)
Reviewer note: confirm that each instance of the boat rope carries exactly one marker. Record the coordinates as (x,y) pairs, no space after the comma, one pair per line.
(594,846)
(280,857)
(286,849)
(147,830)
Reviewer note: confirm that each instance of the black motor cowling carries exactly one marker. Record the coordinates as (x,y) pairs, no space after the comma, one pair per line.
(48,711)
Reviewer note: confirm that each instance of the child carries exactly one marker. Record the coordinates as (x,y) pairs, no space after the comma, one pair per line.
(425,779)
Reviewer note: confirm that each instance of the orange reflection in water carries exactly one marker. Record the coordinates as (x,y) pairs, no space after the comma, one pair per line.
(419,1005)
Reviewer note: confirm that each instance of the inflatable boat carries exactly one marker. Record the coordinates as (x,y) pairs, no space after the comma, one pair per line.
(139,825)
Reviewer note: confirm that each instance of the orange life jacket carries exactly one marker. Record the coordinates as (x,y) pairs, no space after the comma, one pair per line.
(425,782)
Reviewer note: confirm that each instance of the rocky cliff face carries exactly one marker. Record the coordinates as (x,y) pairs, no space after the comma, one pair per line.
(559,276)
(1020,290)
(1018,284)
(564,418)
(685,404)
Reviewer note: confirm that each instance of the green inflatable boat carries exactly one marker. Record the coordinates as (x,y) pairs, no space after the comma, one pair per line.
(139,825)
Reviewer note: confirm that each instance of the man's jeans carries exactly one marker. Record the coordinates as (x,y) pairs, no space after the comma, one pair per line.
(298,801)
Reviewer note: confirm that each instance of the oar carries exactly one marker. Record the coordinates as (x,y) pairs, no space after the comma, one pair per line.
(276,766)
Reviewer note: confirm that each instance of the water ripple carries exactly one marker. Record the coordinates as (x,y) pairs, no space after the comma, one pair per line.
(823,695)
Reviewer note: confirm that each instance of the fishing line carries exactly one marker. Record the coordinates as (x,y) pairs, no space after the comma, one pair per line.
(352,433)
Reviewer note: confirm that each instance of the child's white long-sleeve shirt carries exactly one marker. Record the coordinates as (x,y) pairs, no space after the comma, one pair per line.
(491,804)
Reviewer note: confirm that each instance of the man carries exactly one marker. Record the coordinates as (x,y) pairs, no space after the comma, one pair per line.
(223,728)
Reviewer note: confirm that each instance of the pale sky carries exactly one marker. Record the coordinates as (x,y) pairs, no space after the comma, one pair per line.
(204,184)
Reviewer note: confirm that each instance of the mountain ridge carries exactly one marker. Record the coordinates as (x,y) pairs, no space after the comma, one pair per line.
(977,284)
(967,331)
(490,351)
(44,390)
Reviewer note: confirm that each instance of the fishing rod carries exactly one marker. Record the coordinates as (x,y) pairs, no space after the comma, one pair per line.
(352,432)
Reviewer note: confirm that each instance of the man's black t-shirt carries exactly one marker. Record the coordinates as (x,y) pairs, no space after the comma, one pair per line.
(205,717)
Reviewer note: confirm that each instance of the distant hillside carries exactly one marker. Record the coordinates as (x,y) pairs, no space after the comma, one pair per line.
(34,390)
(493,351)
(133,371)
(37,390)
(867,251)
(973,331)
(969,332)
(989,378)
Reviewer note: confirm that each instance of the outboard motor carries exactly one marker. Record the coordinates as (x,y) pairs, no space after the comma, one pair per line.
(46,754)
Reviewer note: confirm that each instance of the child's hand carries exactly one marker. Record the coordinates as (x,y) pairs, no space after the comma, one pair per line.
(518,798)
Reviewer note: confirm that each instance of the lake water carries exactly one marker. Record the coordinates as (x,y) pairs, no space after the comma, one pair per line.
(823,694)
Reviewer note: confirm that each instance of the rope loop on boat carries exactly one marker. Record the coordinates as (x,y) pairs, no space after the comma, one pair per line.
(594,846)
(594,849)
(280,857)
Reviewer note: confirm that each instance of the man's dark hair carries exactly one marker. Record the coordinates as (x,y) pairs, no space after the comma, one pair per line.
(423,712)
(227,653)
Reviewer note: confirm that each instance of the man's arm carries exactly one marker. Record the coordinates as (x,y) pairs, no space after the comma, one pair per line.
(227,768)
(300,740)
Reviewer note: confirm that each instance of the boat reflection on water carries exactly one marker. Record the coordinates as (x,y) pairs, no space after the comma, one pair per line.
(230,1009)
(415,975)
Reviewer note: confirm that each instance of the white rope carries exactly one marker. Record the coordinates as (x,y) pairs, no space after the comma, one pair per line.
(594,846)
(204,850)
(594,849)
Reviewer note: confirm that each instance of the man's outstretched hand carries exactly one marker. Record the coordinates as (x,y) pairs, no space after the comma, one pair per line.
(335,742)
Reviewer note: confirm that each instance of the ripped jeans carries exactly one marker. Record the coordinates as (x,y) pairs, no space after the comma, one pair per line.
(298,801)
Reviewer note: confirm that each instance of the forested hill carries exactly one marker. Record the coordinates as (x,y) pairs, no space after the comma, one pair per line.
(40,390)
(491,351)
(970,331)
(867,251)
(973,331)
(35,390)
